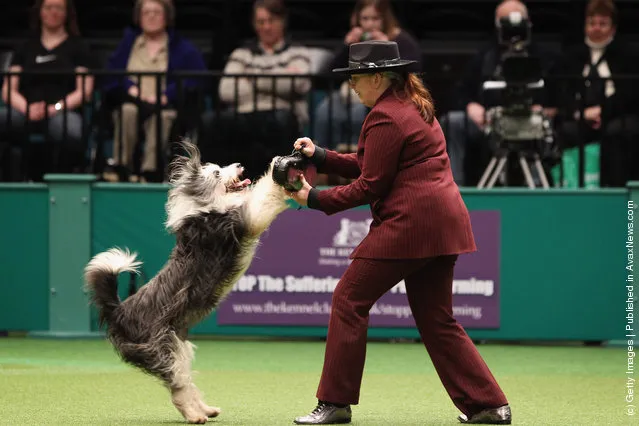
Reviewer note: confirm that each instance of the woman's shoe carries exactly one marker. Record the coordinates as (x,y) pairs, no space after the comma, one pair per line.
(491,416)
(326,414)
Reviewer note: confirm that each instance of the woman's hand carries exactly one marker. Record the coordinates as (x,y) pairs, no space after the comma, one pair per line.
(593,115)
(476,112)
(301,196)
(353,36)
(52,111)
(37,111)
(153,100)
(305,145)
(133,91)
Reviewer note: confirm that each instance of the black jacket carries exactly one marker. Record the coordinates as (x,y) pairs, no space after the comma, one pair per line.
(568,85)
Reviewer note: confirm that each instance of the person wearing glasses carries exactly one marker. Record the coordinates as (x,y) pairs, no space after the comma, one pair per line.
(153,47)
(420,227)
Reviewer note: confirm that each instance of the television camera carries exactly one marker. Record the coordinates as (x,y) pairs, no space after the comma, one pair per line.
(515,126)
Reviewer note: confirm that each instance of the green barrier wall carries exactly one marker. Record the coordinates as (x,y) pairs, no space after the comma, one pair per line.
(563,258)
(24,257)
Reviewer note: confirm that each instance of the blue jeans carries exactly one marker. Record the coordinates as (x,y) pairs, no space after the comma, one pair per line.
(459,131)
(340,125)
(65,155)
(55,127)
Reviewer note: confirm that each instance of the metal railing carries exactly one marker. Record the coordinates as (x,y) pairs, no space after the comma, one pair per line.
(196,93)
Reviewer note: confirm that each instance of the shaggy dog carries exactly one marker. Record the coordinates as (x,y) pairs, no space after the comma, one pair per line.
(217,221)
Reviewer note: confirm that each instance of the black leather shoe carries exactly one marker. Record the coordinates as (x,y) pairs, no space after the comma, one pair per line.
(326,414)
(491,416)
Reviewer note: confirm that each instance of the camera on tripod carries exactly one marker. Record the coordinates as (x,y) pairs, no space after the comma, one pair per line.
(514,126)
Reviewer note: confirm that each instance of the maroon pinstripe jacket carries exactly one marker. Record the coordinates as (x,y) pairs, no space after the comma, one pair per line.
(402,170)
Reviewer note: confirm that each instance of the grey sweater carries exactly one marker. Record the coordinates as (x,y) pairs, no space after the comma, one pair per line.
(266,93)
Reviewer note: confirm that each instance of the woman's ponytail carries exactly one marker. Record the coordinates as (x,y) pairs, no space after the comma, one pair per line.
(418,94)
(421,97)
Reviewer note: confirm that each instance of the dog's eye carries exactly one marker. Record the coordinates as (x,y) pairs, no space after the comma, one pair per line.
(216,173)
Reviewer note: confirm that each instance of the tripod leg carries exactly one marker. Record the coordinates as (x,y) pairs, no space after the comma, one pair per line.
(487,172)
(542,173)
(500,167)
(524,167)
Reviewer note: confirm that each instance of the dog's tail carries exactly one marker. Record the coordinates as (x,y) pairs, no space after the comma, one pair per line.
(101,278)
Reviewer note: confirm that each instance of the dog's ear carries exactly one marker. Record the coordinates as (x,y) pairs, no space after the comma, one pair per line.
(188,164)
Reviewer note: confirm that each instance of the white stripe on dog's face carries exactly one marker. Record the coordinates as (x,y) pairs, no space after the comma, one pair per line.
(227,175)
(231,173)
(210,169)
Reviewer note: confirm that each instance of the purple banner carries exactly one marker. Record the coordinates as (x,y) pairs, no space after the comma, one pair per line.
(304,253)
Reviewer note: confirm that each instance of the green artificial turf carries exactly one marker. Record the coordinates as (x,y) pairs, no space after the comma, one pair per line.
(67,382)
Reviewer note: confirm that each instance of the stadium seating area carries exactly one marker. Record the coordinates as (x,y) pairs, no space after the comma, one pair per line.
(448,31)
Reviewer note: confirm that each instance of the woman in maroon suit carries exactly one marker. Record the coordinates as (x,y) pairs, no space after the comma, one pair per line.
(420,226)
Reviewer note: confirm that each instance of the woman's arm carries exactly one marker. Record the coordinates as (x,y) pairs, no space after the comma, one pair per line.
(236,65)
(285,88)
(333,163)
(18,102)
(83,61)
(383,147)
(80,94)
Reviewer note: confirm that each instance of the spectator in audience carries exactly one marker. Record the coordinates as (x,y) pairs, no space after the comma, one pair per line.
(49,104)
(610,107)
(153,47)
(266,113)
(370,20)
(464,127)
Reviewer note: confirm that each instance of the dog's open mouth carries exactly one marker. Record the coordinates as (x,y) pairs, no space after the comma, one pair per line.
(237,184)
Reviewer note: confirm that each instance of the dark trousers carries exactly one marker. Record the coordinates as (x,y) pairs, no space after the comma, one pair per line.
(252,139)
(62,150)
(619,141)
(463,372)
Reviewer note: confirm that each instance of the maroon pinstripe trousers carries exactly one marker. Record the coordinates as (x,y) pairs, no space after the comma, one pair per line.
(463,372)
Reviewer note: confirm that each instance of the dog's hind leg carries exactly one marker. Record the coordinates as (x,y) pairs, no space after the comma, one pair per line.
(266,201)
(197,397)
(210,411)
(181,385)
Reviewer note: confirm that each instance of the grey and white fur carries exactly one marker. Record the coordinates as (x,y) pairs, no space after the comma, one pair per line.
(217,222)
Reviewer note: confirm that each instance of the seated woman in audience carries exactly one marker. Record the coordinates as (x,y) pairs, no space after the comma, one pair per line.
(49,104)
(370,20)
(153,47)
(610,107)
(265,113)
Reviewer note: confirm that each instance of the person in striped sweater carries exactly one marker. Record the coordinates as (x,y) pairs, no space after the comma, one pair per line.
(267,110)
(420,226)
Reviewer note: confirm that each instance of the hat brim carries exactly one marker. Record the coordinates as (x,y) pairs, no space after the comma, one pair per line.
(372,70)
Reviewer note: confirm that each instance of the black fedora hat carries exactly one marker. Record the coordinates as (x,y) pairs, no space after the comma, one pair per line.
(373,56)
